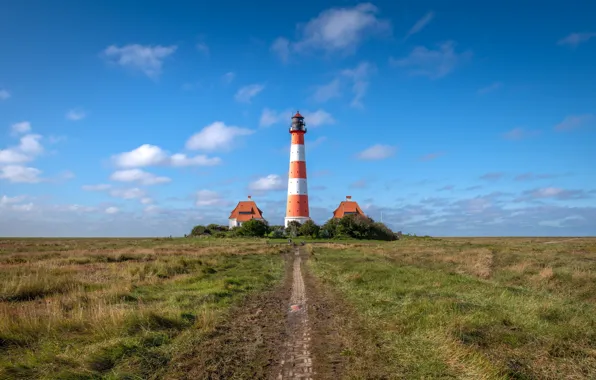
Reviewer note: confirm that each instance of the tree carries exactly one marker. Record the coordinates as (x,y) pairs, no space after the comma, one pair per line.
(213,227)
(329,229)
(356,227)
(198,230)
(310,229)
(254,227)
(293,229)
(277,233)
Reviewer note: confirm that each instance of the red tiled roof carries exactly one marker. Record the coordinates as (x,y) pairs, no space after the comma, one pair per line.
(349,207)
(246,210)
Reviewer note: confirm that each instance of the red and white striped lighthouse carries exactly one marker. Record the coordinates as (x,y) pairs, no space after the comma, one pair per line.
(297,208)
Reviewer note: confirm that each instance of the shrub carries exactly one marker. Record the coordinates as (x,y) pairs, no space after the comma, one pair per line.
(253,227)
(198,230)
(356,227)
(277,233)
(309,228)
(293,229)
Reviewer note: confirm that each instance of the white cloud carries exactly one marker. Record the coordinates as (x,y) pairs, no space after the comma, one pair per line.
(29,147)
(316,118)
(145,58)
(145,155)
(151,208)
(67,174)
(138,175)
(340,29)
(30,144)
(4,94)
(431,156)
(520,133)
(20,128)
(359,76)
(216,136)
(12,156)
(281,47)
(132,193)
(269,117)
(6,200)
(228,77)
(23,207)
(420,24)
(574,39)
(327,91)
(268,183)
(20,174)
(493,87)
(99,187)
(377,152)
(203,48)
(246,93)
(112,210)
(80,208)
(318,141)
(180,159)
(152,155)
(547,192)
(75,114)
(146,200)
(574,122)
(433,63)
(209,198)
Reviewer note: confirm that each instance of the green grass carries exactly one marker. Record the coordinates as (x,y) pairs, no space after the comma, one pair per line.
(481,310)
(83,309)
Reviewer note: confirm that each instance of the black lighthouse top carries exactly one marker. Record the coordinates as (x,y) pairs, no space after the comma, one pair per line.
(298,124)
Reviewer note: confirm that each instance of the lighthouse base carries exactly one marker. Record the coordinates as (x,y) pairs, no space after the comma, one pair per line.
(299,219)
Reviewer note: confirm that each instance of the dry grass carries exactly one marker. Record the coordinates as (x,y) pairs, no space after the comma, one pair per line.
(86,307)
(510,308)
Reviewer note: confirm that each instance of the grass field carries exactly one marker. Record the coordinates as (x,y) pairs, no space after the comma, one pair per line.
(117,308)
(471,308)
(466,308)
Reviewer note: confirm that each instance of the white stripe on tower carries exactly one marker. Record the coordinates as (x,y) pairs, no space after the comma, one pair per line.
(297,153)
(297,186)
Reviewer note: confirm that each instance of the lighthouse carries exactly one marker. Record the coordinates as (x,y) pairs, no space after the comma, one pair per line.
(297,207)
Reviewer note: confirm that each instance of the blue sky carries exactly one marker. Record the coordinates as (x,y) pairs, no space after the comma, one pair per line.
(457,118)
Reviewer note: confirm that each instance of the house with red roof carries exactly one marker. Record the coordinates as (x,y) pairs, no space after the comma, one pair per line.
(347,207)
(244,211)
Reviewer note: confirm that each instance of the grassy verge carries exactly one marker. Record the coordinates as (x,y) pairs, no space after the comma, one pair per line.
(118,308)
(484,310)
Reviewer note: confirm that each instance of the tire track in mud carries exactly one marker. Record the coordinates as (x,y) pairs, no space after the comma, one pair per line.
(299,329)
(296,361)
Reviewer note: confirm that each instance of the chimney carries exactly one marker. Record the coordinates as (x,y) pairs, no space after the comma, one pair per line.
(348,197)
(249,197)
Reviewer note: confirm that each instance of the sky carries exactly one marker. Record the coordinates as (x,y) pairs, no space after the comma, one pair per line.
(459,118)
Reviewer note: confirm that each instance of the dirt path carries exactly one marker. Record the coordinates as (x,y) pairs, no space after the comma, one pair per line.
(302,329)
(297,359)
(246,345)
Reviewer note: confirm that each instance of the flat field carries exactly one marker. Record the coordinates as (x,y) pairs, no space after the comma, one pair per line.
(465,308)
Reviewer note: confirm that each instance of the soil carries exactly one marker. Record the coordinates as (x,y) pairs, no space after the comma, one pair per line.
(253,340)
(247,345)
(342,346)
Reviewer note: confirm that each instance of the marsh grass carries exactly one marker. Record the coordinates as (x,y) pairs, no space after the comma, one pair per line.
(117,308)
(467,308)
